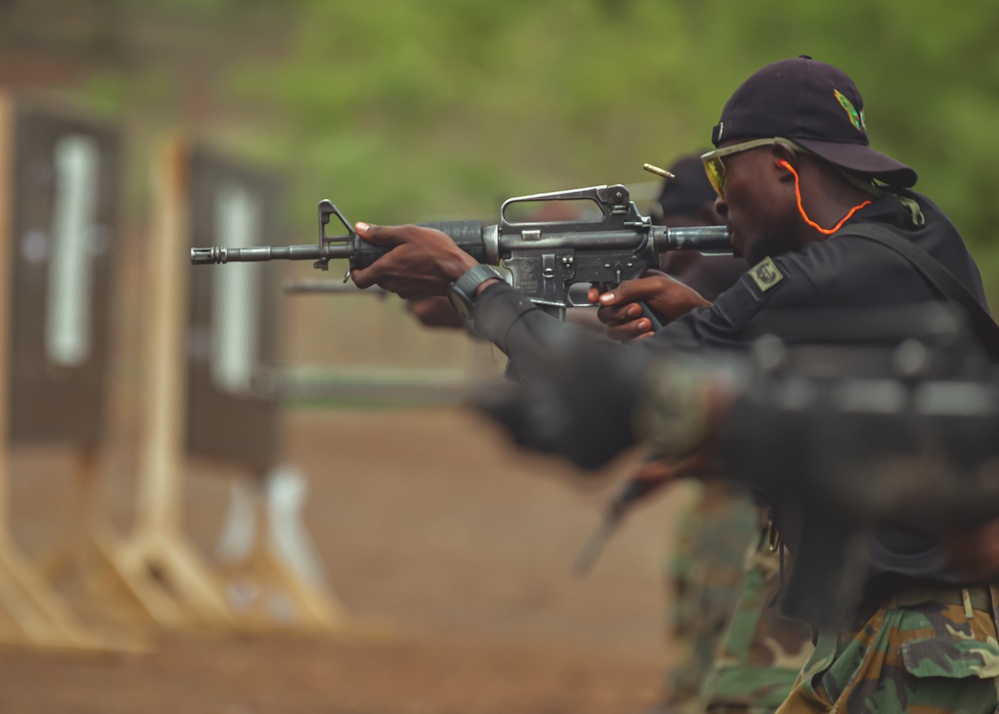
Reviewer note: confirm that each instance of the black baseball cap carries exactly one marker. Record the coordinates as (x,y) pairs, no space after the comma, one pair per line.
(817,106)
(688,192)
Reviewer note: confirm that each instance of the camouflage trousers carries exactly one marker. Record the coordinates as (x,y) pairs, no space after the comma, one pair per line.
(708,559)
(761,652)
(933,657)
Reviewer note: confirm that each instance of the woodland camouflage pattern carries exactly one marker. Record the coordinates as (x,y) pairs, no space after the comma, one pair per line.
(762,651)
(720,546)
(931,658)
(704,573)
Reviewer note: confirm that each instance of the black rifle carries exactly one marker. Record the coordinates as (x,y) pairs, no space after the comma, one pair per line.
(544,258)
(899,436)
(858,436)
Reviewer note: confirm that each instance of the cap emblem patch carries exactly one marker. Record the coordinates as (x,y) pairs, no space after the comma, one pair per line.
(856,118)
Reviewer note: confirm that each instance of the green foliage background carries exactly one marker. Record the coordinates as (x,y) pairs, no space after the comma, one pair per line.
(406,110)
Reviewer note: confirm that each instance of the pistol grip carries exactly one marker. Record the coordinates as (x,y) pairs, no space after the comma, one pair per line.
(652,317)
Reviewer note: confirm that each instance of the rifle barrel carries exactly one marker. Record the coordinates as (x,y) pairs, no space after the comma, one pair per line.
(261,253)
(703,239)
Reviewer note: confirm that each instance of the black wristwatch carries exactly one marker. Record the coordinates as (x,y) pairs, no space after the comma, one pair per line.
(461,292)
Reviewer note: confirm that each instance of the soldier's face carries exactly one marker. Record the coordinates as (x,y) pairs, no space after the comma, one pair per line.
(757,208)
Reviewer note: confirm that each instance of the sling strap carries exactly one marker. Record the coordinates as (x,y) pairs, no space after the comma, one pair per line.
(979,319)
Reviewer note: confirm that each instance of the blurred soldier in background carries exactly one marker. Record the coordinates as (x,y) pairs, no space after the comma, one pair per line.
(720,541)
(709,539)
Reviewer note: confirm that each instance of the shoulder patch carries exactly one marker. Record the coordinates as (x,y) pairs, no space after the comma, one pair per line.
(765,274)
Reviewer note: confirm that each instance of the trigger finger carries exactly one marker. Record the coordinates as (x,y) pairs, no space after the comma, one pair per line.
(630,330)
(615,314)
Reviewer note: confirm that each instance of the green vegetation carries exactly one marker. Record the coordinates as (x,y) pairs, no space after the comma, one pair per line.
(402,110)
(406,110)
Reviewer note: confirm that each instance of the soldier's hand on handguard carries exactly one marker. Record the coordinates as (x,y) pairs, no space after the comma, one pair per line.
(421,263)
(620,312)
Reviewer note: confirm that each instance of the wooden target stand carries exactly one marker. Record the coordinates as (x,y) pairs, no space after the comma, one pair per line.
(264,586)
(31,611)
(158,552)
(154,577)
(89,561)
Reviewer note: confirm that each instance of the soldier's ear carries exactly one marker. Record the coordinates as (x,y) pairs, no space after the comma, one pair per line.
(785,170)
(784,157)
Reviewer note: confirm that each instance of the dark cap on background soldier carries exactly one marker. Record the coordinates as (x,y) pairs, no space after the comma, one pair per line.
(728,644)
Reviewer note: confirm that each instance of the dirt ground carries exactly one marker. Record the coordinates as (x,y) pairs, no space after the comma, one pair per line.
(458,547)
(422,520)
(299,674)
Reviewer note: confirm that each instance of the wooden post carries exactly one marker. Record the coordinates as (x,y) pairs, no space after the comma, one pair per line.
(158,545)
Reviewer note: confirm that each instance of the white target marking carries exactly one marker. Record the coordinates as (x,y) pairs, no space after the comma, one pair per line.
(67,321)
(236,296)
